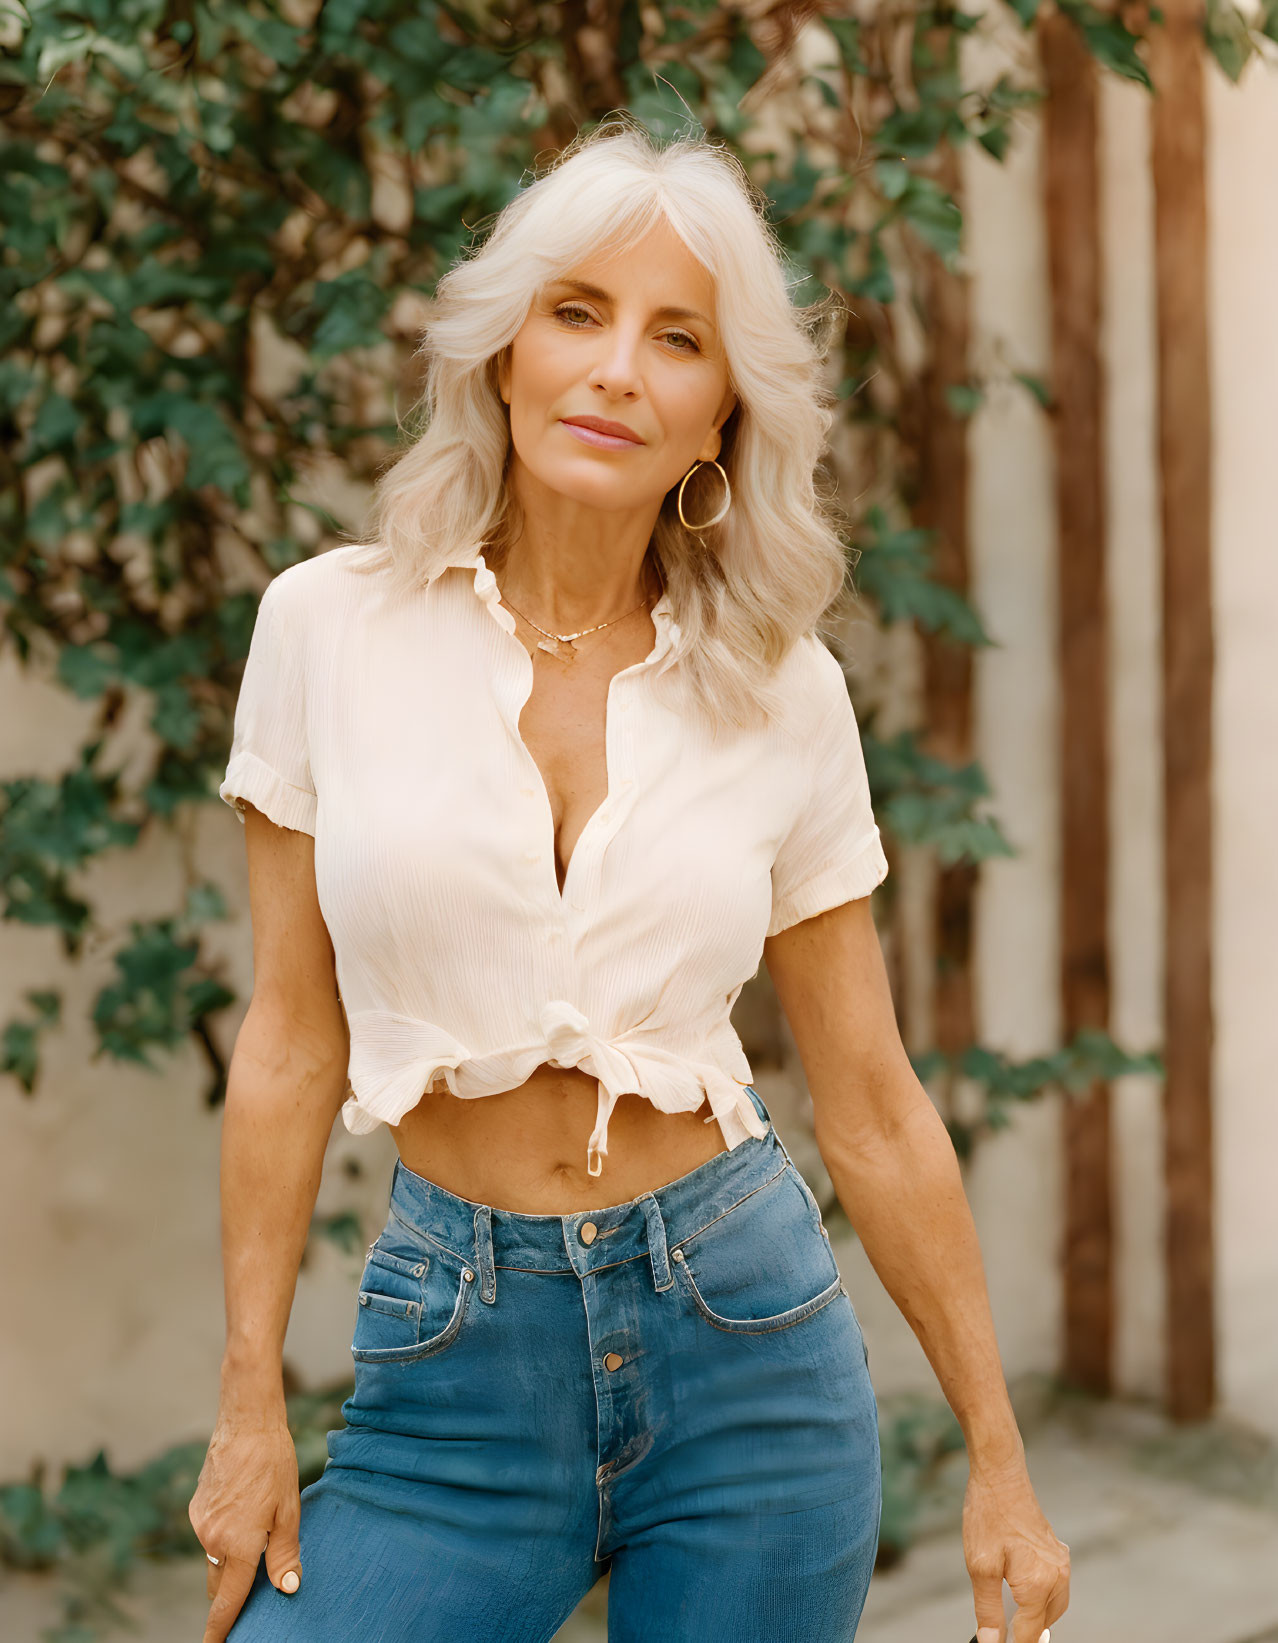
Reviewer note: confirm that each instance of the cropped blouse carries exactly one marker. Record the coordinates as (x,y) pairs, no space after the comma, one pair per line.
(386,725)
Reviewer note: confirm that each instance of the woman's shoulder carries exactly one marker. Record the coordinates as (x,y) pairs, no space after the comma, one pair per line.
(320,574)
(331,587)
(813,676)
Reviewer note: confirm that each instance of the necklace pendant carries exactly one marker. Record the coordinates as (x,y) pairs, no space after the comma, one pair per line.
(562,650)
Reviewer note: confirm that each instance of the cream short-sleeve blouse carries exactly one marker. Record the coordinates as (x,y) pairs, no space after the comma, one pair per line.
(386,726)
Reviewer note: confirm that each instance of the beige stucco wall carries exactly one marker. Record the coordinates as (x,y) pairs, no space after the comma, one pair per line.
(108,1176)
(1244,273)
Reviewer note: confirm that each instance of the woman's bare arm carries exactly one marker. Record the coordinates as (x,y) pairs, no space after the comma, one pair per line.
(895,1172)
(285,1087)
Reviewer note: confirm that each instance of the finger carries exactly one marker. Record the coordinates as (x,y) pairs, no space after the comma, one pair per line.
(1030,1621)
(987,1594)
(233,1587)
(284,1554)
(1058,1602)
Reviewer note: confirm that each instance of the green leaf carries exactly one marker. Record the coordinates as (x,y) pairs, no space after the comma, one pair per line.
(964,398)
(1109,42)
(892,570)
(893,178)
(344,1229)
(996,138)
(923,800)
(1227,37)
(912,133)
(935,217)
(876,282)
(56,424)
(847,37)
(352,309)
(1041,392)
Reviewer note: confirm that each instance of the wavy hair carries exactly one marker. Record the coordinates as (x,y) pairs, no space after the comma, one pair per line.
(742,591)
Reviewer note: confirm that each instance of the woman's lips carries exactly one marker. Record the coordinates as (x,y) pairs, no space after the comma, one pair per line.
(607,442)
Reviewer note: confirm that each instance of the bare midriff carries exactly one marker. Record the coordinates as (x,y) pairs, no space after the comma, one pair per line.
(525,1149)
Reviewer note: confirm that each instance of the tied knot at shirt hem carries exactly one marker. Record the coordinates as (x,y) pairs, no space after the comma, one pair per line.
(396,1058)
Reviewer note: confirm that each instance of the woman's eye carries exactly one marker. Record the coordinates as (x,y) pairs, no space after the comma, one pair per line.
(567,308)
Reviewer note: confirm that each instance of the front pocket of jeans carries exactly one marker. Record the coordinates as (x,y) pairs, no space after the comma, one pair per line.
(764,1265)
(412,1301)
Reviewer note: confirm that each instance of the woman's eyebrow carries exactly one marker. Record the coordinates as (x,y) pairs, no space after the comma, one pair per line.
(600,295)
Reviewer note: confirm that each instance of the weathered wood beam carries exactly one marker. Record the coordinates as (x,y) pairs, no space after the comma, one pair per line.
(1184,457)
(1072,208)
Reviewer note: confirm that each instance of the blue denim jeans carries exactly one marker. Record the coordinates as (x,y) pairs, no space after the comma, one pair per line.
(675,1390)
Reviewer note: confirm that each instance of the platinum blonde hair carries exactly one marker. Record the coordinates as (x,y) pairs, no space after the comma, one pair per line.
(743,590)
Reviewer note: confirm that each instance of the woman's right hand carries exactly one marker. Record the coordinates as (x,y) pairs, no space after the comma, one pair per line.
(247,1500)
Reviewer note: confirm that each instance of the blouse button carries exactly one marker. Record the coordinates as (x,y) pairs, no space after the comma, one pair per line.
(532,855)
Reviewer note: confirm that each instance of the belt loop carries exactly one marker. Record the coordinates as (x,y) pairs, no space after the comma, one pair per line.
(662,1277)
(484,1254)
(756,1101)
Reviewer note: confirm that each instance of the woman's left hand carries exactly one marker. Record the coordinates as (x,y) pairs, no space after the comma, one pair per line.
(1006,1537)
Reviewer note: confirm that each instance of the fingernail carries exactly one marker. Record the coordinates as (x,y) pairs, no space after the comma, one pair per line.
(987,1634)
(292,1580)
(1047,1635)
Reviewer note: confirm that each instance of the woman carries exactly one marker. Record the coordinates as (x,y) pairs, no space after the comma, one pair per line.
(516,839)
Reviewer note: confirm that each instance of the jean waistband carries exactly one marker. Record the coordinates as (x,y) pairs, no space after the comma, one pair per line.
(587,1240)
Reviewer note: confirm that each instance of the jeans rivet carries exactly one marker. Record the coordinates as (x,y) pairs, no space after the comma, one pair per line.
(676,1255)
(469,1276)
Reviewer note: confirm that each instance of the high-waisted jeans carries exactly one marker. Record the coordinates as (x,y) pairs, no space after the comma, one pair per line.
(675,1390)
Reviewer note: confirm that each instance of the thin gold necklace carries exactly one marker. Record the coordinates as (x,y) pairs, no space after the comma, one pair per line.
(562,645)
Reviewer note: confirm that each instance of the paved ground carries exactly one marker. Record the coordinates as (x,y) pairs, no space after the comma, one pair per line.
(1174,1536)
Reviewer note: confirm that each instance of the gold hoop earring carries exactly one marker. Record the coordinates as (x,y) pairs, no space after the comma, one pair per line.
(727,500)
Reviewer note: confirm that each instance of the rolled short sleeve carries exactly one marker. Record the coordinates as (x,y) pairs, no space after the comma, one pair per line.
(833,852)
(270,760)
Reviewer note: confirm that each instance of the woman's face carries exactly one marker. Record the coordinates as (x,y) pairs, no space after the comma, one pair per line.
(603,342)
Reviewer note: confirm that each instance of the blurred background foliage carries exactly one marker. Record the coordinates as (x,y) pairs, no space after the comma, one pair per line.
(181,182)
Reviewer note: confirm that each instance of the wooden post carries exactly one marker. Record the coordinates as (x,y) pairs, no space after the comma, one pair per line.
(1071,185)
(941,505)
(1184,454)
